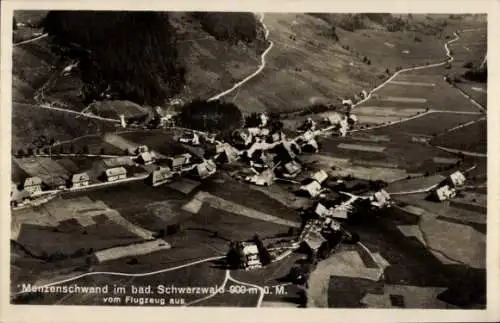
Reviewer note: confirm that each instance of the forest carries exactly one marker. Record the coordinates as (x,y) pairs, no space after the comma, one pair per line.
(231,27)
(131,54)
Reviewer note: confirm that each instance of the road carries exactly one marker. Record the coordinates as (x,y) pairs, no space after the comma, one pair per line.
(254,74)
(27,41)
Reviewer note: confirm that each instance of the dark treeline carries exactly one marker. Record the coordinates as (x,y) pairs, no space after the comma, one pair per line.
(131,54)
(229,26)
(477,74)
(213,116)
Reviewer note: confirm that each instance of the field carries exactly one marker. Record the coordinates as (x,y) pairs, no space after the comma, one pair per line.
(114,108)
(440,97)
(414,184)
(470,138)
(53,124)
(163,143)
(428,125)
(90,144)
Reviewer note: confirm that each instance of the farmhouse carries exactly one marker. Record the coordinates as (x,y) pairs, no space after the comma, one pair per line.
(313,188)
(206,169)
(80,180)
(146,158)
(161,176)
(245,255)
(115,174)
(444,193)
(381,199)
(456,179)
(177,162)
(313,241)
(141,149)
(291,169)
(32,185)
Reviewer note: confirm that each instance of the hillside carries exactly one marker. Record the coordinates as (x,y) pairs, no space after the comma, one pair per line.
(314,60)
(70,77)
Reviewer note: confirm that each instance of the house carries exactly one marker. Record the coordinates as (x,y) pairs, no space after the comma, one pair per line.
(115,174)
(206,169)
(245,255)
(347,102)
(333,118)
(352,119)
(381,199)
(456,179)
(141,149)
(227,153)
(266,178)
(146,158)
(313,188)
(80,180)
(291,169)
(444,193)
(177,162)
(323,212)
(161,176)
(16,196)
(313,241)
(32,185)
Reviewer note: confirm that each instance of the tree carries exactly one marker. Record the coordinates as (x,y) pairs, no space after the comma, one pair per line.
(213,116)
(264,255)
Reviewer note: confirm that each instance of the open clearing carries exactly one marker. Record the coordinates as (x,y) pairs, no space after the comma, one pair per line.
(404,99)
(370,148)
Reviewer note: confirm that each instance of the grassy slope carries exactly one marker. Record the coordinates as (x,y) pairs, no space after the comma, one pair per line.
(328,71)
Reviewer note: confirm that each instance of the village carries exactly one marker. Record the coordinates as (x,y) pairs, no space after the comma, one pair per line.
(262,157)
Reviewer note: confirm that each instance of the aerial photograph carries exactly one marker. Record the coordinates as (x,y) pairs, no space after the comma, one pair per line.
(247,159)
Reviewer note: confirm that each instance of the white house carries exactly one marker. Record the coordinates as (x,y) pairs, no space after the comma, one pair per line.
(248,254)
(32,185)
(444,192)
(161,176)
(115,174)
(80,180)
(457,178)
(206,169)
(146,158)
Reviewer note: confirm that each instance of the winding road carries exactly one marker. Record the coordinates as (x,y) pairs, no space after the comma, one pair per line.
(254,74)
